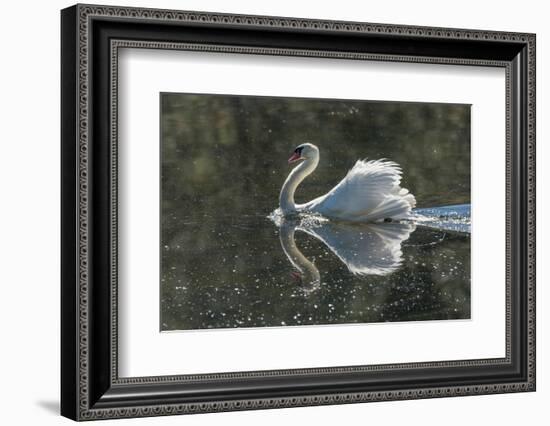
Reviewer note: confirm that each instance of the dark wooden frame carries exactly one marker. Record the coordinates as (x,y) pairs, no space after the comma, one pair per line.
(90,386)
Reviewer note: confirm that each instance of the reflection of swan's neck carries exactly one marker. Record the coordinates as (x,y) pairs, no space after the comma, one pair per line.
(296,176)
(298,260)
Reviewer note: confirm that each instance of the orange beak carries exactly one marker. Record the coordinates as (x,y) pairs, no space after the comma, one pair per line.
(295,157)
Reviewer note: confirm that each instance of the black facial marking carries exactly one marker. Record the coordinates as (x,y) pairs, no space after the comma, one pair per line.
(299,150)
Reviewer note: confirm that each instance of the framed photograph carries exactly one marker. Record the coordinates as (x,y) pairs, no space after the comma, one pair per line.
(264,212)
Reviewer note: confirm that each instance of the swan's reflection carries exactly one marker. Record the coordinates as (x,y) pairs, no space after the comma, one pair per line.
(308,274)
(365,249)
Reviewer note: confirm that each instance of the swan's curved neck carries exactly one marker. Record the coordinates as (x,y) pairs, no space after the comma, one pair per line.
(296,176)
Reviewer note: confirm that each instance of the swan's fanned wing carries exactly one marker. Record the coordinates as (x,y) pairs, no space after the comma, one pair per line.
(370,191)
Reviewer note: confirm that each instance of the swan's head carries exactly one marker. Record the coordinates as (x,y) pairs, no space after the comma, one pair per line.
(305,151)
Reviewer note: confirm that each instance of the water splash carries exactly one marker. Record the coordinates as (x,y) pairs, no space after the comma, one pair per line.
(305,220)
(450,218)
(446,218)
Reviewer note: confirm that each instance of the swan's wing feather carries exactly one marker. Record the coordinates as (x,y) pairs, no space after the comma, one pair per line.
(373,249)
(369,188)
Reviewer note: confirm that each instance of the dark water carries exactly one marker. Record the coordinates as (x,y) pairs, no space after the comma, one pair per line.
(227,263)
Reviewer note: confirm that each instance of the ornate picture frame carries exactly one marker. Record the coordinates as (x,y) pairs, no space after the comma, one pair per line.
(91,39)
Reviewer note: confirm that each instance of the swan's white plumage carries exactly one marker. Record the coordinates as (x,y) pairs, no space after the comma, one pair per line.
(370,192)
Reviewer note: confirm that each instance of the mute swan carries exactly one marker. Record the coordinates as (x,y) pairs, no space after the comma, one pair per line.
(370,192)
